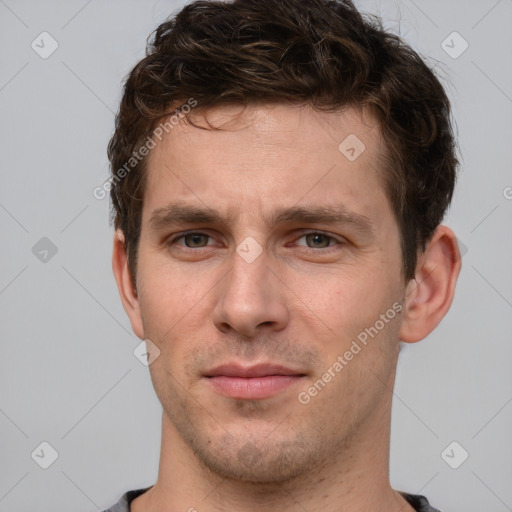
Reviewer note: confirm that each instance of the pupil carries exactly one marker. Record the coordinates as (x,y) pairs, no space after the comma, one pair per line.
(318,238)
(195,239)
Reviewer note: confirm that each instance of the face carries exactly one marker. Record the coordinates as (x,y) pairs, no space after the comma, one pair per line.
(269,277)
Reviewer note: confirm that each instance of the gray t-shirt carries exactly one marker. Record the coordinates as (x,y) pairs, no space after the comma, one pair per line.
(419,503)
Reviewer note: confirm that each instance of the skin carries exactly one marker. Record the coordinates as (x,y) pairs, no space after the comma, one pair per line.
(301,303)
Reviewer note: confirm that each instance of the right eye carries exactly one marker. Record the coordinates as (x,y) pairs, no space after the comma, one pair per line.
(192,240)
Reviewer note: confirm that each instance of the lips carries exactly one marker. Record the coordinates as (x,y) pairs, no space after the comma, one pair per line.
(251,382)
(260,370)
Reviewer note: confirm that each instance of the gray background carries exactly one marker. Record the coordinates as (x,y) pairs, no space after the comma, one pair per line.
(68,375)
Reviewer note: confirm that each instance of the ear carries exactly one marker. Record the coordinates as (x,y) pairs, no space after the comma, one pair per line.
(124,284)
(429,295)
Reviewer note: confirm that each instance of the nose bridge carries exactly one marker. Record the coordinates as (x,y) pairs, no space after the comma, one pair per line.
(250,296)
(248,282)
(250,268)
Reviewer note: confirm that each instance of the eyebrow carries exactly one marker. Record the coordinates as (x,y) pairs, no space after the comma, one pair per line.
(175,213)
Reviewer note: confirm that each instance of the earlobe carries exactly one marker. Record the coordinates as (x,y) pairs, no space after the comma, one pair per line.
(125,287)
(429,295)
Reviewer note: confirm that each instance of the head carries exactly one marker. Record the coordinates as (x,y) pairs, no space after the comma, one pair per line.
(256,125)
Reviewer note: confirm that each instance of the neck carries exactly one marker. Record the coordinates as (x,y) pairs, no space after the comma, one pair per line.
(354,479)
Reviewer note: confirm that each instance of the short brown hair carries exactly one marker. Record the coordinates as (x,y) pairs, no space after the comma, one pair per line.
(318,52)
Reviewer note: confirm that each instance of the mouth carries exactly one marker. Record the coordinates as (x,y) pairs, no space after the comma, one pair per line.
(253,382)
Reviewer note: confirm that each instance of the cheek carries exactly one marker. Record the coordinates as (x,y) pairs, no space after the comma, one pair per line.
(165,294)
(348,323)
(347,300)
(174,309)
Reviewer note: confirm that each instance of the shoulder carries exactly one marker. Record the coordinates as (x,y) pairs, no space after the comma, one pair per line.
(123,505)
(419,503)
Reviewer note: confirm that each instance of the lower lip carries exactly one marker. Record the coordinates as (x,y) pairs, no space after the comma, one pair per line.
(253,388)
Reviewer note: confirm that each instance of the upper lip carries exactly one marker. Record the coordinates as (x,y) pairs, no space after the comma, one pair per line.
(259,370)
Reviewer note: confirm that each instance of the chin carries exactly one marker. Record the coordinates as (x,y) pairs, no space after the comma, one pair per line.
(262,462)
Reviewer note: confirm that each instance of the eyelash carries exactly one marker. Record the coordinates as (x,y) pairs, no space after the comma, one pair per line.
(304,234)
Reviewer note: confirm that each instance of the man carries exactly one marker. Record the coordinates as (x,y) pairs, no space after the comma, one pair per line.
(280,172)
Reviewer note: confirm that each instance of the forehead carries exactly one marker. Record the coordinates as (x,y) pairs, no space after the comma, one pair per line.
(297,126)
(265,154)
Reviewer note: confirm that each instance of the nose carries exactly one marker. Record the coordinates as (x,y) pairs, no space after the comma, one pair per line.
(250,298)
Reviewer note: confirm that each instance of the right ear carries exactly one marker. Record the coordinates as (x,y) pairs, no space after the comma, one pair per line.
(124,284)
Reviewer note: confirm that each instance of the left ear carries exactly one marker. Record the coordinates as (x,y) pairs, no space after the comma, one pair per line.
(429,295)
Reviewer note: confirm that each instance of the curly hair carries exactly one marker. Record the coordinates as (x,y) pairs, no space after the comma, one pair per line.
(322,53)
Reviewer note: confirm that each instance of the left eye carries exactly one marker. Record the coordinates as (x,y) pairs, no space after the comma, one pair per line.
(319,240)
